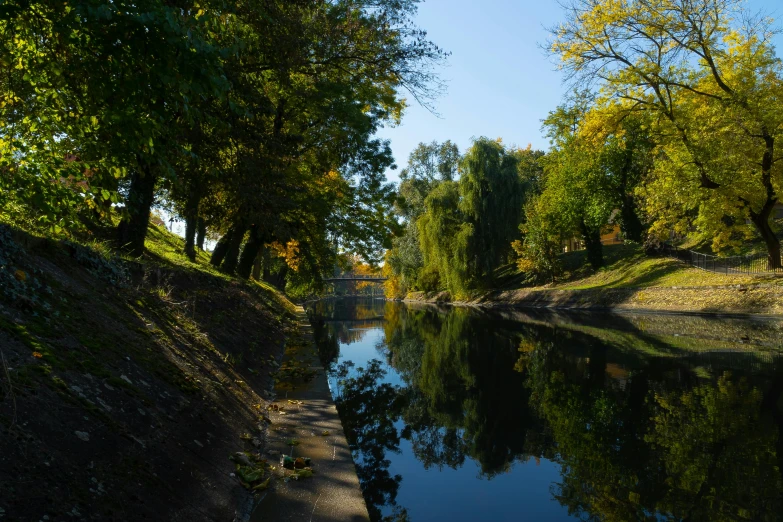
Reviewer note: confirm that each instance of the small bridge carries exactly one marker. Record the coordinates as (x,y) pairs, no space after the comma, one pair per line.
(352,277)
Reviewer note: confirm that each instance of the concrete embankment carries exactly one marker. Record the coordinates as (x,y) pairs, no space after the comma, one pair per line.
(308,426)
(764,299)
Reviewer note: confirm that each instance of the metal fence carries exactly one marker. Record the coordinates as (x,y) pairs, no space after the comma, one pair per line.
(753,264)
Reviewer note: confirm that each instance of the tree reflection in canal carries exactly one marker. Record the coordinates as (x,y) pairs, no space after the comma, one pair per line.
(369,409)
(644,425)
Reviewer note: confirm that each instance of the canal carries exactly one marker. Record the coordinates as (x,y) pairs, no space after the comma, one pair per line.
(460,414)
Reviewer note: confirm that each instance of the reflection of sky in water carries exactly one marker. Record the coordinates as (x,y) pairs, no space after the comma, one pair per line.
(460,494)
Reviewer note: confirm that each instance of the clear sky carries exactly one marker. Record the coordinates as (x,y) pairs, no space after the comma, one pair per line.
(500,83)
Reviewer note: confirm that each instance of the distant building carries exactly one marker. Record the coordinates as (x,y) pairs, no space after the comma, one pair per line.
(610,235)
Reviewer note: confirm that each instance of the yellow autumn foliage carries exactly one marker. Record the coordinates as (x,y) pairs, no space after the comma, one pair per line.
(289,252)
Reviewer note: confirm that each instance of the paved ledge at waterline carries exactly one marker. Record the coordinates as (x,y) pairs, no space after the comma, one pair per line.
(760,299)
(333,493)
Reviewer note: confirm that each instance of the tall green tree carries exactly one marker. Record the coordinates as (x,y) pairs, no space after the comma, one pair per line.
(256,119)
(467,228)
(428,165)
(707,73)
(99,92)
(491,202)
(443,236)
(590,176)
(575,186)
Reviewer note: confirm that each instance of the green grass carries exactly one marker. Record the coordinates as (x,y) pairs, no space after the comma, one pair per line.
(165,250)
(168,249)
(626,266)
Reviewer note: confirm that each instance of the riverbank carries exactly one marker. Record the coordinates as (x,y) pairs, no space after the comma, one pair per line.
(759,299)
(631,281)
(132,389)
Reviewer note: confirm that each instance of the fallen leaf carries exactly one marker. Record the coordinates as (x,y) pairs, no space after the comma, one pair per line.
(263,485)
(250,474)
(303,473)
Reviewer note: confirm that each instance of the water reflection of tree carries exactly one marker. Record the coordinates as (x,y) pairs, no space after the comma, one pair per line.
(465,399)
(718,452)
(650,446)
(369,409)
(637,438)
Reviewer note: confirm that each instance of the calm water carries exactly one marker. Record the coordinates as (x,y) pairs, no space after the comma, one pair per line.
(457,414)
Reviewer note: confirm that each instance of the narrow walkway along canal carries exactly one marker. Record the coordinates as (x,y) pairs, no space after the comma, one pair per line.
(462,415)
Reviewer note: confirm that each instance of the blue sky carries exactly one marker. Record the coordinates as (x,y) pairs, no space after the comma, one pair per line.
(500,83)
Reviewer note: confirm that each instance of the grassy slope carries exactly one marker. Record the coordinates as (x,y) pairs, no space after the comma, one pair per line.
(161,364)
(630,280)
(628,267)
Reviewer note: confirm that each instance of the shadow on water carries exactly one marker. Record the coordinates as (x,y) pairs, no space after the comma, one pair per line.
(643,417)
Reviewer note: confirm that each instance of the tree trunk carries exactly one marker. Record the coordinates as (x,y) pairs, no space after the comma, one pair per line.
(191,219)
(132,230)
(761,221)
(256,274)
(221,248)
(231,260)
(631,224)
(592,237)
(250,252)
(190,238)
(267,274)
(278,279)
(201,230)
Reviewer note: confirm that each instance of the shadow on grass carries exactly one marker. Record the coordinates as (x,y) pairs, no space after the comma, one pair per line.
(634,276)
(625,266)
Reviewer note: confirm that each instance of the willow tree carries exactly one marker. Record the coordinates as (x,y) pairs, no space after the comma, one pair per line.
(428,165)
(491,201)
(468,226)
(707,73)
(443,237)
